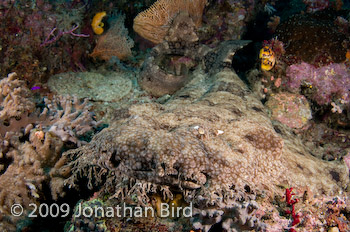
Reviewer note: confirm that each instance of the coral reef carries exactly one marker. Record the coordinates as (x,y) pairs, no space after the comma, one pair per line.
(234,217)
(327,143)
(118,219)
(207,149)
(15,98)
(97,222)
(32,137)
(225,20)
(26,24)
(68,119)
(18,109)
(329,83)
(64,116)
(319,5)
(316,5)
(24,174)
(273,23)
(290,109)
(115,42)
(153,23)
(67,18)
(184,128)
(322,213)
(312,38)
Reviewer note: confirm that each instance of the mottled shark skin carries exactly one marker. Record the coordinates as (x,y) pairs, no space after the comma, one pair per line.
(167,68)
(212,137)
(221,57)
(212,141)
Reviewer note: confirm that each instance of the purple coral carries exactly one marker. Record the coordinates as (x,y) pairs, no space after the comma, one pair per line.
(331,82)
(51,38)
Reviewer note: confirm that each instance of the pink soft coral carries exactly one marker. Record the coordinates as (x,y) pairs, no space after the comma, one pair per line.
(331,82)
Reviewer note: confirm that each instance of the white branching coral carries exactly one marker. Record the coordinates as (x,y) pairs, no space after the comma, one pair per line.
(68,118)
(31,142)
(65,116)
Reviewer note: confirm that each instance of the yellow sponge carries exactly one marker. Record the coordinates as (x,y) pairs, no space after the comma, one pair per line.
(97,24)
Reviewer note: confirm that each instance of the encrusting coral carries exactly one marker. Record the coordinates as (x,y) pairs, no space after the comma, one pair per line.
(153,23)
(290,109)
(15,98)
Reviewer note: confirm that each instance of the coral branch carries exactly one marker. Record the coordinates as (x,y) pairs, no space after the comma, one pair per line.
(53,38)
(292,202)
